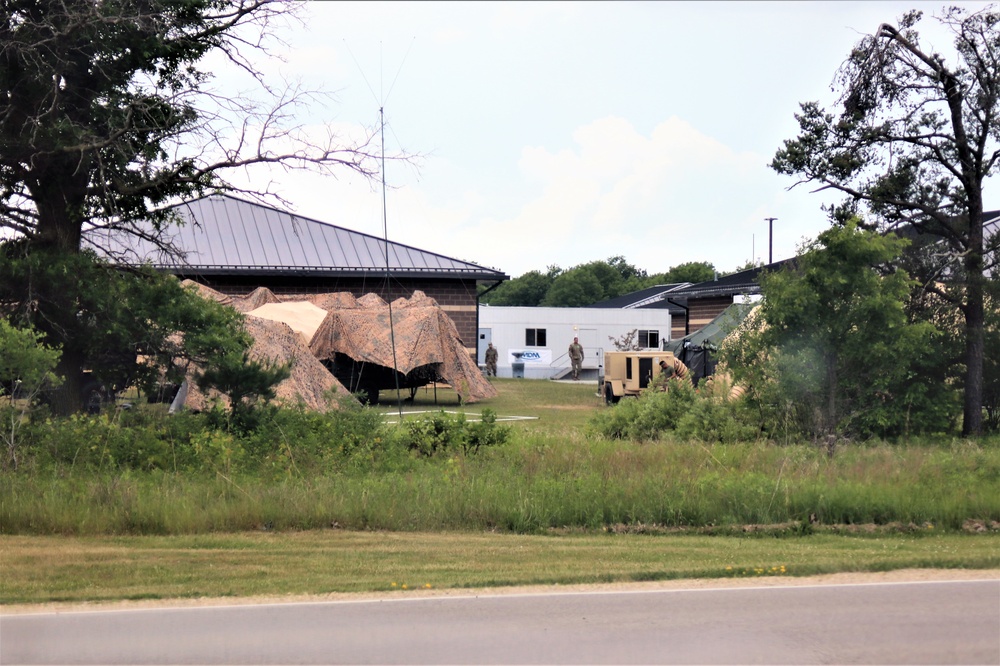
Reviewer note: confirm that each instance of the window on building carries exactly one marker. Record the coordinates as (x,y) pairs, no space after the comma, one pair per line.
(649,339)
(534,337)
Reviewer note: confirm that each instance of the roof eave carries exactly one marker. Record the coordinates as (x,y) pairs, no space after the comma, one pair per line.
(321,272)
(720,291)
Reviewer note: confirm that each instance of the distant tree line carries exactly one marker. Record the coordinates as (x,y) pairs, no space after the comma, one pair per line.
(589,283)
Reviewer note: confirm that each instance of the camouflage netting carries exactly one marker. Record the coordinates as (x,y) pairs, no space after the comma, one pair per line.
(256,298)
(424,335)
(335,301)
(302,316)
(207,292)
(310,383)
(357,327)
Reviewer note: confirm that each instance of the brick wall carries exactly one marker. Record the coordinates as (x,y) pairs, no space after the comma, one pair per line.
(678,326)
(704,310)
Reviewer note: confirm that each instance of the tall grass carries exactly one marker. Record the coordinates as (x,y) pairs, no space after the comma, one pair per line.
(532,483)
(145,473)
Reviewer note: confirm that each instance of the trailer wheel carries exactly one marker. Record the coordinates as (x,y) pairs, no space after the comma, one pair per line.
(609,395)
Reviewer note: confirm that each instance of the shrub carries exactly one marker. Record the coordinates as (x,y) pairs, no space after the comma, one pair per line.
(297,440)
(648,415)
(442,433)
(285,440)
(27,367)
(718,421)
(833,350)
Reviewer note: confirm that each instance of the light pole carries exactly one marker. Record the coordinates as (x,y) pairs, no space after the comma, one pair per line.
(770,239)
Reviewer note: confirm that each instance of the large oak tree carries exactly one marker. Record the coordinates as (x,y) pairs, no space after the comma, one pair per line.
(913,140)
(108,115)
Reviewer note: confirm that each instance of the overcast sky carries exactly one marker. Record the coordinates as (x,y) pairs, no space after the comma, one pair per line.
(561,133)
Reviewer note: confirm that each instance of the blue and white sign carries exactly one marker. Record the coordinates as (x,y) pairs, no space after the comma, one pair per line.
(530,356)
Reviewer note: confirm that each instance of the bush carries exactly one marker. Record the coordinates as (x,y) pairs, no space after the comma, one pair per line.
(834,351)
(442,433)
(718,421)
(300,441)
(648,415)
(286,441)
(27,367)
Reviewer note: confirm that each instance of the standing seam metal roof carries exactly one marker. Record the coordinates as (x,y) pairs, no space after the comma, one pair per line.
(223,234)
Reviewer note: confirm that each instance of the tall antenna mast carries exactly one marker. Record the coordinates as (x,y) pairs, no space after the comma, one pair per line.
(385,234)
(385,221)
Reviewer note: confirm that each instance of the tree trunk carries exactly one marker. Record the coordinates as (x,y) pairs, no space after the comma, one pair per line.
(972,264)
(831,398)
(59,202)
(68,397)
(972,422)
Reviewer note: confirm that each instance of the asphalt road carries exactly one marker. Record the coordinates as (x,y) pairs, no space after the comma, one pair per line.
(894,623)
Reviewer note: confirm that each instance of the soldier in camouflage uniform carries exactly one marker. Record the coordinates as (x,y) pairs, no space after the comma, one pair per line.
(491,361)
(576,357)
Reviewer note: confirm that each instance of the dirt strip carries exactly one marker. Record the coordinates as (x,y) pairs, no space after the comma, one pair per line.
(901,576)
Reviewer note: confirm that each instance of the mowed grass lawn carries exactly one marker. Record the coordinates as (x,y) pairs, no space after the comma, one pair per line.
(39,569)
(87,569)
(551,408)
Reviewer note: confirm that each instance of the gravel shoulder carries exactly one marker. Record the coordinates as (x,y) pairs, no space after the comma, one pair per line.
(855,578)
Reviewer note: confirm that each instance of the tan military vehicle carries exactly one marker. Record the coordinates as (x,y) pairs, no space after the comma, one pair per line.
(629,372)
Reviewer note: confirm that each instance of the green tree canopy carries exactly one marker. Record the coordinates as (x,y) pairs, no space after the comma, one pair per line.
(692,271)
(577,287)
(913,141)
(595,280)
(120,325)
(833,345)
(527,290)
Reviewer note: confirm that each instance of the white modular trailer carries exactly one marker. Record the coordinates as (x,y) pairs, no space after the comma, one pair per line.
(539,338)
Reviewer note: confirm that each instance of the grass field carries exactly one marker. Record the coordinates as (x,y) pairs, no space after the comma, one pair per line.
(553,506)
(554,408)
(317,562)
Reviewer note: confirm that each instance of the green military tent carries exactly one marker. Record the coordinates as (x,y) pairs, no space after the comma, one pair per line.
(698,350)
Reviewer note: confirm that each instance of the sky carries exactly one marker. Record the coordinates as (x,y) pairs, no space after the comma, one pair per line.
(555,134)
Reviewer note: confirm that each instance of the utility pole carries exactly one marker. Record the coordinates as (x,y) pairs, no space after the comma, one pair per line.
(770,239)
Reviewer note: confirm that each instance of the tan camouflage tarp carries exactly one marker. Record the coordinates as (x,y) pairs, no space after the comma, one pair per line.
(310,383)
(256,298)
(207,292)
(423,335)
(358,327)
(302,316)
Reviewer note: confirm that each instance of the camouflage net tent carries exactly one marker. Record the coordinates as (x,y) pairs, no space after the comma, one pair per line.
(256,298)
(301,316)
(342,344)
(427,346)
(310,383)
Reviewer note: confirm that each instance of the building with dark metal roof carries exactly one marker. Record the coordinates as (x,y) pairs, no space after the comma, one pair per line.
(235,246)
(705,301)
(652,298)
(991,238)
(693,306)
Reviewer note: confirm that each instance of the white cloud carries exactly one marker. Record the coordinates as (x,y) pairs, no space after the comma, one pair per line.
(614,192)
(560,133)
(619,192)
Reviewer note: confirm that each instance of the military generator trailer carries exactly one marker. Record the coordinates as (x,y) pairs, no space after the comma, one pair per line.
(627,373)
